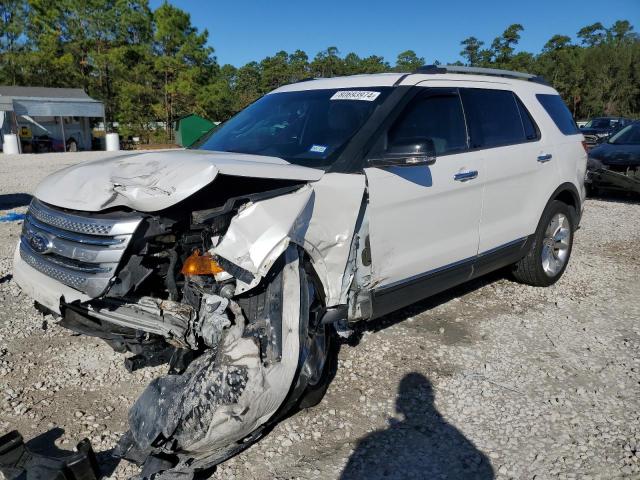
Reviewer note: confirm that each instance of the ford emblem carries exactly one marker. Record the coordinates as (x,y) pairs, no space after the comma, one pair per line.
(39,243)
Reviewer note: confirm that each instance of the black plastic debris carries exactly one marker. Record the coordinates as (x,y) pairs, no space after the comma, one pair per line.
(18,462)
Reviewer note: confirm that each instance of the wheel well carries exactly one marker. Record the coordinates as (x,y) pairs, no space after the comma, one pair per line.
(566,196)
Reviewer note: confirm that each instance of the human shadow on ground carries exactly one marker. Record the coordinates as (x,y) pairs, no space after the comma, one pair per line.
(421,445)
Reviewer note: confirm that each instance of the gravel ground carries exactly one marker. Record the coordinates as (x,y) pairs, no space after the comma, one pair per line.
(492,379)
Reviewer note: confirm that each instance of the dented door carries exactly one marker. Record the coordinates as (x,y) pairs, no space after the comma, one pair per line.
(423,218)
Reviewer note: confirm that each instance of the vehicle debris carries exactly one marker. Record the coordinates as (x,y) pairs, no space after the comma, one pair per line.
(17,462)
(201,416)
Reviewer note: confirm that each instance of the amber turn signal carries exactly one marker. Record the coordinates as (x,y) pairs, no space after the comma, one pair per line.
(197,264)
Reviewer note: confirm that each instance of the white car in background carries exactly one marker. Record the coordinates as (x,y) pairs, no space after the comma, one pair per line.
(324,204)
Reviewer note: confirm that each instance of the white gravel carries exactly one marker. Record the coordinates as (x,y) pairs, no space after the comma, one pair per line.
(492,379)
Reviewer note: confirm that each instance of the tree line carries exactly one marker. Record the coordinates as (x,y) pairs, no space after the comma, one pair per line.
(151,66)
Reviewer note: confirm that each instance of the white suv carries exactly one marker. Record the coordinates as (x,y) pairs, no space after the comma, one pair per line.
(324,204)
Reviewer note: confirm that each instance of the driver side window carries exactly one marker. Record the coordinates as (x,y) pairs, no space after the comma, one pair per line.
(434,114)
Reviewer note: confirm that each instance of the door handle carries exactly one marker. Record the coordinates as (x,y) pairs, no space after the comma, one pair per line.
(545,157)
(465,175)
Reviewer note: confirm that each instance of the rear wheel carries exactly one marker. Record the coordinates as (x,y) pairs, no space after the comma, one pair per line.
(549,253)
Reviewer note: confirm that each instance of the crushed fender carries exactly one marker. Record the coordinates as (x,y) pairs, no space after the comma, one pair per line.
(189,422)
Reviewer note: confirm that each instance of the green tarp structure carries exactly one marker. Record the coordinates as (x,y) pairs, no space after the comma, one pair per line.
(190,128)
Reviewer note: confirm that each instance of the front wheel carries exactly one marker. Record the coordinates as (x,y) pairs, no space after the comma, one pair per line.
(549,253)
(323,362)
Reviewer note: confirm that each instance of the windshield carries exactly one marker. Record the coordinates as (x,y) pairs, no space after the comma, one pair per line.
(601,123)
(309,127)
(630,135)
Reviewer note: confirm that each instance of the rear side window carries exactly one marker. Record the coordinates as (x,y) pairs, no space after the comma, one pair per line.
(559,113)
(493,118)
(436,115)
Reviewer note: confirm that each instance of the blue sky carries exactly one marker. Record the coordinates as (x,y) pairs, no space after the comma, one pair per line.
(245,30)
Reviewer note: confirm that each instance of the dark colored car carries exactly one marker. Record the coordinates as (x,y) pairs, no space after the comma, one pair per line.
(599,129)
(615,164)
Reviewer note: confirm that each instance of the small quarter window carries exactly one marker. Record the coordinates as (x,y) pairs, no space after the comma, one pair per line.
(530,128)
(559,113)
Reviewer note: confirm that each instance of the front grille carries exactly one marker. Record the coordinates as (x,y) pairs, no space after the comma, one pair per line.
(75,281)
(68,222)
(80,251)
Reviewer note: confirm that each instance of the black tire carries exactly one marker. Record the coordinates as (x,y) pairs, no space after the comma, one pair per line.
(532,269)
(314,393)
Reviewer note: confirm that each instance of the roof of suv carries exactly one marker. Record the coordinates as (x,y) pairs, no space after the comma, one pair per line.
(409,79)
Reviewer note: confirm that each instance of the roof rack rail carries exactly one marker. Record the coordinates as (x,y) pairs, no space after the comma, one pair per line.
(495,72)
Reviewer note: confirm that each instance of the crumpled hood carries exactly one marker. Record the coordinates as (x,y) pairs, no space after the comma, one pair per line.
(150,182)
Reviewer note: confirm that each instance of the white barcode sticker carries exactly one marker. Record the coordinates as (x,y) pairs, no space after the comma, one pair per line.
(362,95)
(318,148)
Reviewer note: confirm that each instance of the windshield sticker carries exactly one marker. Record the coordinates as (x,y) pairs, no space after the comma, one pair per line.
(361,95)
(318,148)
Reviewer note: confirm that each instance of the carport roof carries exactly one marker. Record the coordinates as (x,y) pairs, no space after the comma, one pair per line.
(44,101)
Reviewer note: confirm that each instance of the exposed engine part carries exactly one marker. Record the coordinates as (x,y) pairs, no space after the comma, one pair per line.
(212,320)
(17,462)
(180,324)
(164,318)
(228,290)
(171,278)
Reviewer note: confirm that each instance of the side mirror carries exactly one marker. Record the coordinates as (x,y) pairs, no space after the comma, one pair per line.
(409,153)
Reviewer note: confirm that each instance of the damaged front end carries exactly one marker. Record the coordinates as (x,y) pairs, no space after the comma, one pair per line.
(222,287)
(622,178)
